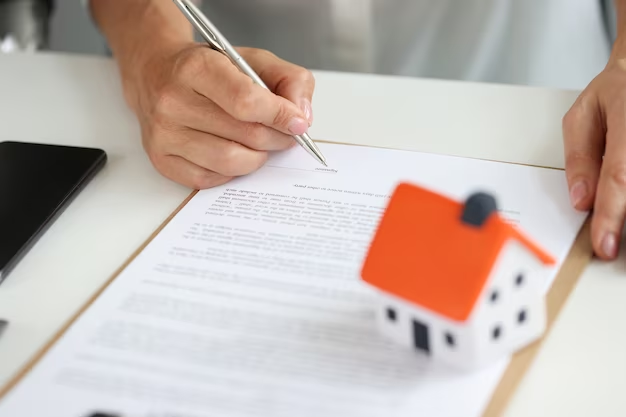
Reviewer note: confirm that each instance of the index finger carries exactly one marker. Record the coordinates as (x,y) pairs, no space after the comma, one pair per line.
(284,78)
(222,82)
(610,205)
(583,136)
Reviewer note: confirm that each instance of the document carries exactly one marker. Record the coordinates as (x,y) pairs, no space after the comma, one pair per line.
(249,302)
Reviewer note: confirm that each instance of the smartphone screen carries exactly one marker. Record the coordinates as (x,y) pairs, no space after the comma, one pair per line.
(37,182)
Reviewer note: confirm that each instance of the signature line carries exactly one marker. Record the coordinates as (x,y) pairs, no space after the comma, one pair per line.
(301,169)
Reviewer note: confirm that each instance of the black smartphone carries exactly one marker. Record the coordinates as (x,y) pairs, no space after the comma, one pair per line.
(37,182)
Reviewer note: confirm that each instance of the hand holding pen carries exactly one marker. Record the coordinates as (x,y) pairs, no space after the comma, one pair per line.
(203,121)
(220,44)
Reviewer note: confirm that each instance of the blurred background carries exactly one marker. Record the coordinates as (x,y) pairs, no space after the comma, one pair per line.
(65,26)
(53,25)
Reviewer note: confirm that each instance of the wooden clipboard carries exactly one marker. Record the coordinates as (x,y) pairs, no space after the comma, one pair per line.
(577,259)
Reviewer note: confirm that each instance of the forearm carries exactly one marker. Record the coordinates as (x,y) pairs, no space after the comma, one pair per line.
(136,30)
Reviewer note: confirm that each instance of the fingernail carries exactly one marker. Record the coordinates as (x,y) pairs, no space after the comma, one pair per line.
(298,126)
(305,105)
(578,193)
(609,245)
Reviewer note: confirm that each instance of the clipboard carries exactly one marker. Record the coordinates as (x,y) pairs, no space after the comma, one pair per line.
(566,279)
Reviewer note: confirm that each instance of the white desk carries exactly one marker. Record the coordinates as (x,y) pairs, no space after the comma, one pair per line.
(581,369)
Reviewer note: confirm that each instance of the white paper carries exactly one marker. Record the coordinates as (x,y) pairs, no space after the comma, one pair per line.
(249,302)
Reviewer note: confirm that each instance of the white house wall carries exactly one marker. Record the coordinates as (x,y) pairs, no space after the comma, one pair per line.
(401,330)
(510,301)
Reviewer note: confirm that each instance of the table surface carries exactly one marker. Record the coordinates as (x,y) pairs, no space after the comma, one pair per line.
(76,100)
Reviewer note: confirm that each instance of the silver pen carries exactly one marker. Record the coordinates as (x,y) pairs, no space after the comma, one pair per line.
(218,42)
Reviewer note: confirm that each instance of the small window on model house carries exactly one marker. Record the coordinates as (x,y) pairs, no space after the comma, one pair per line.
(450,340)
(391,314)
(496,333)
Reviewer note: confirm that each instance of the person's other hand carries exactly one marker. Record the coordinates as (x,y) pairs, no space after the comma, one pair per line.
(594,132)
(204,122)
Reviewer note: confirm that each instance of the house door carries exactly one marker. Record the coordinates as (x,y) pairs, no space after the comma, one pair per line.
(420,336)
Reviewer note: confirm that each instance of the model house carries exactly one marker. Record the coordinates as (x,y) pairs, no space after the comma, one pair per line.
(456,280)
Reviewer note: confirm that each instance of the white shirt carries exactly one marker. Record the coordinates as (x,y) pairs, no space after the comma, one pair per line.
(555,43)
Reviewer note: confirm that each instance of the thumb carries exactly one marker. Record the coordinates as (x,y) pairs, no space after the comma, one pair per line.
(583,136)
(284,78)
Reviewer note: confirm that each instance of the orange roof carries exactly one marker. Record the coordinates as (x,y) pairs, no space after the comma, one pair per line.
(423,252)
